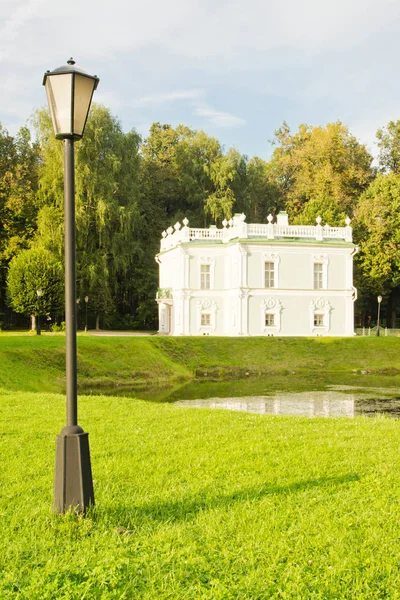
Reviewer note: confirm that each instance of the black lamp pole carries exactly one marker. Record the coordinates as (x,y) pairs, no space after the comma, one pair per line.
(39,295)
(86,302)
(69,92)
(70,285)
(379,314)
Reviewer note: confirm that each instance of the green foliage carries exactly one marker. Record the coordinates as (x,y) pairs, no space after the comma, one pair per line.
(107,213)
(128,191)
(389,147)
(262,195)
(60,327)
(32,270)
(18,183)
(320,171)
(378,231)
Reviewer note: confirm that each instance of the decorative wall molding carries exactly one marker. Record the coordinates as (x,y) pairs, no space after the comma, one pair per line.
(323,307)
(206,306)
(321,258)
(271,306)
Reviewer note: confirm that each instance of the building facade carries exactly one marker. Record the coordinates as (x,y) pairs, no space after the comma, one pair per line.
(257,279)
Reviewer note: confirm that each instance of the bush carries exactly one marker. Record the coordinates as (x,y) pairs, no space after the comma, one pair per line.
(60,327)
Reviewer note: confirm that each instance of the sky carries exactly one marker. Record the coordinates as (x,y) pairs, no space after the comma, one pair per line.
(234,69)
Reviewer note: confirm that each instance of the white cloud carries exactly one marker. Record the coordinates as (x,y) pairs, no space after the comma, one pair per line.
(15,19)
(228,29)
(281,59)
(217,117)
(164,97)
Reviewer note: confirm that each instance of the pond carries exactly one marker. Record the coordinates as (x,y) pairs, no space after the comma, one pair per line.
(320,395)
(330,403)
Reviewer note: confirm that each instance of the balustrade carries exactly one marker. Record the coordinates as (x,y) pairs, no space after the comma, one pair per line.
(237,227)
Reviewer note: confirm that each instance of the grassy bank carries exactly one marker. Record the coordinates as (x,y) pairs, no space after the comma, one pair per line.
(33,363)
(197,504)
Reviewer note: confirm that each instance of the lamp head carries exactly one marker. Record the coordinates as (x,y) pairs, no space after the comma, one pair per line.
(69,92)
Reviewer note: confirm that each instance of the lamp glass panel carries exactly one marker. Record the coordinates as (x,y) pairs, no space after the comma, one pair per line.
(59,96)
(84,87)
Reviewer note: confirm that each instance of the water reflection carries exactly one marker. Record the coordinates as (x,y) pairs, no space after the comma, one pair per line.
(305,404)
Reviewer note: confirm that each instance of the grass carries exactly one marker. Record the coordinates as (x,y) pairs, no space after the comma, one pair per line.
(200,504)
(36,363)
(195,503)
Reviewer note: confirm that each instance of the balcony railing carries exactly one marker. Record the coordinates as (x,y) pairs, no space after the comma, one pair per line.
(238,228)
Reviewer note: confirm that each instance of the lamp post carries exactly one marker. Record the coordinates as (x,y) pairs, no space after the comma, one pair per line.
(39,294)
(379,314)
(77,313)
(69,92)
(86,302)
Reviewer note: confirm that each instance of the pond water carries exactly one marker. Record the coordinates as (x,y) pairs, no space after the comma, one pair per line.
(321,395)
(328,403)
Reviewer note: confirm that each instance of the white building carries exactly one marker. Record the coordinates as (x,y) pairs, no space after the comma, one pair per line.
(257,279)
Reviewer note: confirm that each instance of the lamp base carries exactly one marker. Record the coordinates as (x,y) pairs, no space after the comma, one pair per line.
(73,484)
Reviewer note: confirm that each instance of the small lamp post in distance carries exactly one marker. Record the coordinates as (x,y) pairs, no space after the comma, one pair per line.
(379,314)
(86,302)
(69,92)
(39,294)
(78,300)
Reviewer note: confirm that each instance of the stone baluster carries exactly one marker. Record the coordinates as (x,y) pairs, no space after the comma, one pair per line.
(348,230)
(185,230)
(319,230)
(270,227)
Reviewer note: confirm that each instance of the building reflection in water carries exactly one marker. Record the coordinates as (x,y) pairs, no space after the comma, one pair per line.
(304,404)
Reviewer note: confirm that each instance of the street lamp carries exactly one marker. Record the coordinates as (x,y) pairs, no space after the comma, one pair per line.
(379,314)
(86,302)
(77,313)
(69,93)
(39,294)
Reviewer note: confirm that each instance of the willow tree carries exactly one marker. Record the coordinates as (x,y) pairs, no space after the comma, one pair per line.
(107,215)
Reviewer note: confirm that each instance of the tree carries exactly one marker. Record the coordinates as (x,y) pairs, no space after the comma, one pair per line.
(32,270)
(389,147)
(19,160)
(223,172)
(262,196)
(107,211)
(377,230)
(320,171)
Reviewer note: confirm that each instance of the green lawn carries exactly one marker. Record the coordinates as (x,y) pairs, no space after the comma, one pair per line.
(193,503)
(36,363)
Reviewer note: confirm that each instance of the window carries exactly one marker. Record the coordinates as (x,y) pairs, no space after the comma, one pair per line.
(205,319)
(205,277)
(270,315)
(269,270)
(206,316)
(318,276)
(320,315)
(269,319)
(318,320)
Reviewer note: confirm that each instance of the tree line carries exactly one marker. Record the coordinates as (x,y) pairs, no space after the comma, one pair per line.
(129,189)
